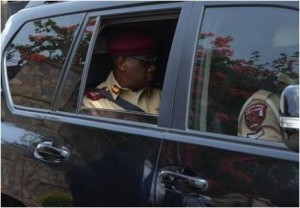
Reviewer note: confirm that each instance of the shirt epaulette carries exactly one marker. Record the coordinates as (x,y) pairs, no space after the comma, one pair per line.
(94,95)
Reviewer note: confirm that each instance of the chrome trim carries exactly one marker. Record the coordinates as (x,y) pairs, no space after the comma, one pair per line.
(288,122)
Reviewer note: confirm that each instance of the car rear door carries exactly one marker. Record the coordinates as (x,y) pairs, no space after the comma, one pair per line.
(237,49)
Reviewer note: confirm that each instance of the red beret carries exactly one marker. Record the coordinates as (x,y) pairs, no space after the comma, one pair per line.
(131,43)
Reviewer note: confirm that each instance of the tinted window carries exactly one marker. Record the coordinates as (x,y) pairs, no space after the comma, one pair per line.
(240,51)
(35,59)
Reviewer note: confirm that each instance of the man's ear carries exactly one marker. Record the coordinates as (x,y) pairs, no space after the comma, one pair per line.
(121,63)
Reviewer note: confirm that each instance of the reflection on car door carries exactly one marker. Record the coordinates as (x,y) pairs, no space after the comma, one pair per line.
(76,165)
(195,174)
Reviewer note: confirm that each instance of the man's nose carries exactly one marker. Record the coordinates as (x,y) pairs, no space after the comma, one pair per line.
(151,68)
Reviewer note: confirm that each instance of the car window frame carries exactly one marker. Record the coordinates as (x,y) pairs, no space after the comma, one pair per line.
(164,117)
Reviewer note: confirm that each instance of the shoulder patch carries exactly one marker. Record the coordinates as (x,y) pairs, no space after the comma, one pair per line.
(254,115)
(93,95)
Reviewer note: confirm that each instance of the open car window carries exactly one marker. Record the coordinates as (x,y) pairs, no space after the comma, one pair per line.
(98,61)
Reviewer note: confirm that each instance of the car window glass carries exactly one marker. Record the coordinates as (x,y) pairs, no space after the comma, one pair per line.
(35,58)
(242,53)
(68,99)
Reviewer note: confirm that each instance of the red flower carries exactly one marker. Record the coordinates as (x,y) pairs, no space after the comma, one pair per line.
(200,53)
(223,52)
(222,42)
(37,38)
(69,29)
(221,74)
(35,57)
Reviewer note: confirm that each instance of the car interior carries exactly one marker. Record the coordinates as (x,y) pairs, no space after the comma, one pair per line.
(163,27)
(101,62)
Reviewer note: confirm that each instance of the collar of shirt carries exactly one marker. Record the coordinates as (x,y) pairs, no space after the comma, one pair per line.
(116,89)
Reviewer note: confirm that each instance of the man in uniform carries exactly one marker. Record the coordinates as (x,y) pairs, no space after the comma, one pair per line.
(259,117)
(128,85)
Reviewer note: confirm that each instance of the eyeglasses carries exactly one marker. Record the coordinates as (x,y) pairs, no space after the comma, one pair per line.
(146,61)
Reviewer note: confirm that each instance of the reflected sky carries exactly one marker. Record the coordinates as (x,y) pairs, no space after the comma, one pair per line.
(267,30)
(13,134)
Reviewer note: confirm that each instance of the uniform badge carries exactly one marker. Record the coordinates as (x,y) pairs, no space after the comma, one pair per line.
(93,95)
(254,115)
(115,89)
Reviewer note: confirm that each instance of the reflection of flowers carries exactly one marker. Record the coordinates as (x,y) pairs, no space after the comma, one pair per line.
(69,29)
(30,55)
(222,52)
(36,57)
(232,81)
(37,38)
(221,74)
(50,41)
(222,42)
(200,53)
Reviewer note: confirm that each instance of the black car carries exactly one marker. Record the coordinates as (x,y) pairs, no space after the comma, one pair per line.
(212,57)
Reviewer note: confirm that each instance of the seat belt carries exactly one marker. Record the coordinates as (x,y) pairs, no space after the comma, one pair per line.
(119,101)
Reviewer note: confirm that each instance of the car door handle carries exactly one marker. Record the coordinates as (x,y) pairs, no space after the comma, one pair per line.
(179,180)
(47,152)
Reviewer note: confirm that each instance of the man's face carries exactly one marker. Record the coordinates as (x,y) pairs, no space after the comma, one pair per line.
(140,71)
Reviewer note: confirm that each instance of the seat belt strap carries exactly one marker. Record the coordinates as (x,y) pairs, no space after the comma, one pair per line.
(119,101)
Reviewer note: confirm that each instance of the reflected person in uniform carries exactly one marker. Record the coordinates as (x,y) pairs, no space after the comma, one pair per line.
(129,81)
(259,117)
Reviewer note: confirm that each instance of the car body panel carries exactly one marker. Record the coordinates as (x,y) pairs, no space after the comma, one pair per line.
(56,158)
(16,134)
(105,168)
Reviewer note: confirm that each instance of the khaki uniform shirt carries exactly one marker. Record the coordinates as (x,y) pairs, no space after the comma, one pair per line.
(147,99)
(259,117)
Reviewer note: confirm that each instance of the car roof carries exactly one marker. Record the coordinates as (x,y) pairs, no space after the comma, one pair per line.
(45,9)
